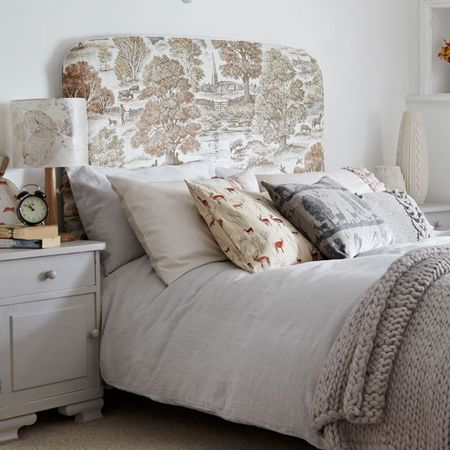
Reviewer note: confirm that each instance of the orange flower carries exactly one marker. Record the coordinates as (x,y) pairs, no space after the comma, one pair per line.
(444,54)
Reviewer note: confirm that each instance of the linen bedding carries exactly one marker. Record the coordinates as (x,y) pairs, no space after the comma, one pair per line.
(248,348)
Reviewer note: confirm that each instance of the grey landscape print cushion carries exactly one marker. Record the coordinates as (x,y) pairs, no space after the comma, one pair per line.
(336,221)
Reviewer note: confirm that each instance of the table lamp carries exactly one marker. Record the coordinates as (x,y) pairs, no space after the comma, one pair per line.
(49,133)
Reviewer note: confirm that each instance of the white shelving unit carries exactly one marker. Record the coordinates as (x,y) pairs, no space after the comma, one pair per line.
(435,25)
(433,100)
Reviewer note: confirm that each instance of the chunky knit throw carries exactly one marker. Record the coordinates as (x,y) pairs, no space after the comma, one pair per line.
(386,382)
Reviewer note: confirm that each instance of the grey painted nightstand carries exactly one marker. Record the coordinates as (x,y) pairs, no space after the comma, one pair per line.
(49,334)
(438,215)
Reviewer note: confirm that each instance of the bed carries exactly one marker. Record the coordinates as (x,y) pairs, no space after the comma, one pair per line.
(247,347)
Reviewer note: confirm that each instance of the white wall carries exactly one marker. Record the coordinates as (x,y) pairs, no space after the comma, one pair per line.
(435,110)
(368,51)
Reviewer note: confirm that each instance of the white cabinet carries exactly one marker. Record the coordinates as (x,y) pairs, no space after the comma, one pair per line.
(49,333)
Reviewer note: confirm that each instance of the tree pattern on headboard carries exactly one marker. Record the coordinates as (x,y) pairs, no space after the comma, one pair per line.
(158,100)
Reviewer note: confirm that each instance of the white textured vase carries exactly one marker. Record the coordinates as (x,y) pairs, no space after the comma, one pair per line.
(412,155)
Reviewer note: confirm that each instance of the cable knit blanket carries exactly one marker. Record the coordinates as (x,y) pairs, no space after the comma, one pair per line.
(386,382)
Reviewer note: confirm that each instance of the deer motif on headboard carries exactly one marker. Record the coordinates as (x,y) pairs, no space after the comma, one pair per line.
(157,100)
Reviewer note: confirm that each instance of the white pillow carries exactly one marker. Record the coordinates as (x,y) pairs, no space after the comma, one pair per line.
(226,171)
(352,182)
(100,211)
(245,181)
(166,221)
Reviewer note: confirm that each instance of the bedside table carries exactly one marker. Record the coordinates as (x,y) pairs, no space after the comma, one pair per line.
(49,334)
(438,214)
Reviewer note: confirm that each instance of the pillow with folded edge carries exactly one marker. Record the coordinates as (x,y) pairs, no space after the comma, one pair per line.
(350,179)
(100,211)
(167,224)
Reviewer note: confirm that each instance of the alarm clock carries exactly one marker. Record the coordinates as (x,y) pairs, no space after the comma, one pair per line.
(32,208)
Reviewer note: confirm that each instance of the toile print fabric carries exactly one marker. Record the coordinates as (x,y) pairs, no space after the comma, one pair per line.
(158,100)
(249,229)
(336,221)
(400,211)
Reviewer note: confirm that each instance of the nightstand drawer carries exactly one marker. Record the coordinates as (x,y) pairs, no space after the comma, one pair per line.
(50,273)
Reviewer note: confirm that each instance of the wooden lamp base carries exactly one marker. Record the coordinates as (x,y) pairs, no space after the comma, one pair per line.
(50,193)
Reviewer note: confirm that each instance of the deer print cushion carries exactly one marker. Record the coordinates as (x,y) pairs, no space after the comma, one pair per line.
(338,222)
(166,223)
(249,229)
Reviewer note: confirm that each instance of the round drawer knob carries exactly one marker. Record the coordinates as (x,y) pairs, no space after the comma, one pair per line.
(95,333)
(50,275)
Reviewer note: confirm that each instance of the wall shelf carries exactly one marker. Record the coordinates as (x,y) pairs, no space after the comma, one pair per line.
(431,98)
(435,28)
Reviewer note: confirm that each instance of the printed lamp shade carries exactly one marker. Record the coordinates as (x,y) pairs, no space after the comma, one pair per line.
(50,132)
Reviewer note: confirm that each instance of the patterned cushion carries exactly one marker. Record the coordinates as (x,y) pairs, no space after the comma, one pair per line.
(401,213)
(248,230)
(336,221)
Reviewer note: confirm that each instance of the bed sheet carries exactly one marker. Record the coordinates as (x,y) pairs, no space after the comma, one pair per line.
(248,348)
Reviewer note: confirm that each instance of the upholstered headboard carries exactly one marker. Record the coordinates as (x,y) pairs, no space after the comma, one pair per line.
(157,100)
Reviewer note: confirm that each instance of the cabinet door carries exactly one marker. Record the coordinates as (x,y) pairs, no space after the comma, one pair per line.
(49,347)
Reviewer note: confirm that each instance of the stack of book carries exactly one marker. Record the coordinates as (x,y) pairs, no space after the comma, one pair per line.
(21,236)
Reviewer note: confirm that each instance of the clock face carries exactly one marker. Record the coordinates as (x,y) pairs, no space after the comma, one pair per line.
(33,209)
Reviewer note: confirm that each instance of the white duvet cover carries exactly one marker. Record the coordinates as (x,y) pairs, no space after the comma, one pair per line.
(248,348)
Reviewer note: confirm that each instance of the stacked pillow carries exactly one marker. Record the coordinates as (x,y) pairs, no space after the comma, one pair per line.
(167,224)
(358,181)
(183,225)
(100,210)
